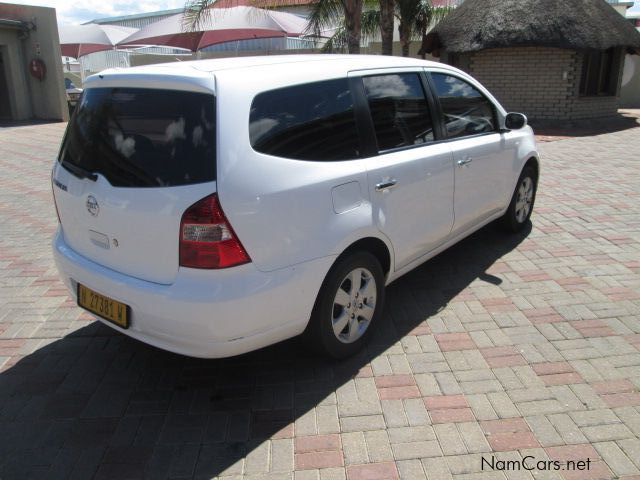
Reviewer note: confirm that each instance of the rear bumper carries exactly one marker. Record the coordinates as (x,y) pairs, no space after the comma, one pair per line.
(204,313)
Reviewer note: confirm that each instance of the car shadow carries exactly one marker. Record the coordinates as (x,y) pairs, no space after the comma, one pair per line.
(623,120)
(96,404)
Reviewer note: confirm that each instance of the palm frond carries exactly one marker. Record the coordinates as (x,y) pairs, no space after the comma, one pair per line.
(440,12)
(370,24)
(196,13)
(428,16)
(325,14)
(370,28)
(407,10)
(337,42)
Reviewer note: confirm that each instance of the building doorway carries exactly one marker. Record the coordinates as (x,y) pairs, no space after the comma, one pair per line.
(5,102)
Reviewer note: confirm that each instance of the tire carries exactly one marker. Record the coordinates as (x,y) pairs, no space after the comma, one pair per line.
(343,318)
(522,201)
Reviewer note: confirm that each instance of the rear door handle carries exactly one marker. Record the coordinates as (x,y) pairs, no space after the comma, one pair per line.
(386,185)
(466,161)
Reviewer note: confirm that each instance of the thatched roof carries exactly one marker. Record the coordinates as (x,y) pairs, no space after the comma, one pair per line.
(573,24)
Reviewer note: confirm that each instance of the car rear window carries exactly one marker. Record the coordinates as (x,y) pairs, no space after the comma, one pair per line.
(142,137)
(314,121)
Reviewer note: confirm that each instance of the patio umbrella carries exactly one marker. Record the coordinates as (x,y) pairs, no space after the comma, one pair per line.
(222,25)
(78,40)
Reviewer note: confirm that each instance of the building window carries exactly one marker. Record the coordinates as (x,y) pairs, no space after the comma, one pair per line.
(600,73)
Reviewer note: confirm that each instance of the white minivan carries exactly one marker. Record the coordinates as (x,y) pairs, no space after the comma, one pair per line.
(215,207)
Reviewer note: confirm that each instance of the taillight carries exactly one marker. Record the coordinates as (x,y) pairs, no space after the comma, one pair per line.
(207,239)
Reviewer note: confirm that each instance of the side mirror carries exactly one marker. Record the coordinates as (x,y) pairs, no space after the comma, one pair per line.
(515,121)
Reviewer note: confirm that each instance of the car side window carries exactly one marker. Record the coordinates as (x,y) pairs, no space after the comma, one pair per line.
(314,121)
(466,110)
(399,110)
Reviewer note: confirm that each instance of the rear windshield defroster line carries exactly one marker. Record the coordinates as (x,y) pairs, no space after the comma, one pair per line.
(138,137)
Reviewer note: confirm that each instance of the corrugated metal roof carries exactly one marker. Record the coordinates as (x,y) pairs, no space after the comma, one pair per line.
(137,16)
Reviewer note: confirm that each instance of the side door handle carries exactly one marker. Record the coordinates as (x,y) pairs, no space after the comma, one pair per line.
(465,161)
(386,185)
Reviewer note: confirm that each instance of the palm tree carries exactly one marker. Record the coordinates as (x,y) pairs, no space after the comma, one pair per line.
(415,17)
(429,16)
(373,21)
(407,13)
(387,8)
(326,14)
(338,42)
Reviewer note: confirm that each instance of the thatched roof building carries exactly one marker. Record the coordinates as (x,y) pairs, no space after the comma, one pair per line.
(551,59)
(572,24)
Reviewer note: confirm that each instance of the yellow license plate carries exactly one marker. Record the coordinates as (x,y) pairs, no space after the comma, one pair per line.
(103,306)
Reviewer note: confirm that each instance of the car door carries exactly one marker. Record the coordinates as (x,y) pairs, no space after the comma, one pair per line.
(481,155)
(411,177)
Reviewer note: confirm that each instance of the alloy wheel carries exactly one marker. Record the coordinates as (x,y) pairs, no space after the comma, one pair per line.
(354,305)
(524,199)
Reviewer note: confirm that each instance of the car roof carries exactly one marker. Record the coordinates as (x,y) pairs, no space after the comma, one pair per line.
(203,75)
(337,62)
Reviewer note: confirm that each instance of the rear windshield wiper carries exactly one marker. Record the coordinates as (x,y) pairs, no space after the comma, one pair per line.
(79,171)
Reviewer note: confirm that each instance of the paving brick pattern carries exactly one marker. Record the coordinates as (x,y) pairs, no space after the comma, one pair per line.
(502,349)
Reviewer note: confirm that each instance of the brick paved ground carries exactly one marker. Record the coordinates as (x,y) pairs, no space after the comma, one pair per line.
(501,348)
